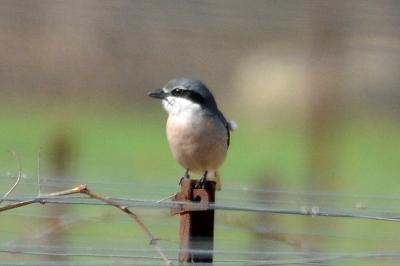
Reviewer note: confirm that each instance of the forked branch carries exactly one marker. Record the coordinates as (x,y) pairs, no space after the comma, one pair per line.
(82,189)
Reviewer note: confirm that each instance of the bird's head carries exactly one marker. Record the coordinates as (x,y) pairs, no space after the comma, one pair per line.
(184,95)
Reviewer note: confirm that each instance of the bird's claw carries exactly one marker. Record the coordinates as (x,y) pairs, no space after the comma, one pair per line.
(201,183)
(181,179)
(185,176)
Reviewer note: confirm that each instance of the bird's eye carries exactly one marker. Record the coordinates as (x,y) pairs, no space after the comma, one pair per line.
(177,92)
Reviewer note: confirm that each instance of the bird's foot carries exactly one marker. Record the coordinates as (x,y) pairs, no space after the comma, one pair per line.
(182,178)
(201,183)
(185,176)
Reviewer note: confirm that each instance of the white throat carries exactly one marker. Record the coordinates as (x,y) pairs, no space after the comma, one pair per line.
(180,106)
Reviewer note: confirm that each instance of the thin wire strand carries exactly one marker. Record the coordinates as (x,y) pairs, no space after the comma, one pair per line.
(302,257)
(136,203)
(362,206)
(57,182)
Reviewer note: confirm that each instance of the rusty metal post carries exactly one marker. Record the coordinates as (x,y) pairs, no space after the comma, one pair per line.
(196,222)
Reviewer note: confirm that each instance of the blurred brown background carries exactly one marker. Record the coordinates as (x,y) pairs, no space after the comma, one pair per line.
(266,53)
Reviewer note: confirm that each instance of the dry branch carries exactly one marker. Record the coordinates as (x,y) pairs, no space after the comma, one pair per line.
(82,189)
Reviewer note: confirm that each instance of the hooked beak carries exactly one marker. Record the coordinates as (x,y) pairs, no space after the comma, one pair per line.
(158,94)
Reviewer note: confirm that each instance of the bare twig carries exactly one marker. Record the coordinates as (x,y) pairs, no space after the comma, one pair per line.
(41,200)
(13,153)
(82,189)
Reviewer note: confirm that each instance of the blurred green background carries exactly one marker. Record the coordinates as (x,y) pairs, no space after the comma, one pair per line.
(313,85)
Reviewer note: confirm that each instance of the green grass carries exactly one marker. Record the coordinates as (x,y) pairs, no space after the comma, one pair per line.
(129,147)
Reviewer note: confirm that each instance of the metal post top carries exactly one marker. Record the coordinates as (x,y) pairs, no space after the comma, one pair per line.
(201,197)
(196,222)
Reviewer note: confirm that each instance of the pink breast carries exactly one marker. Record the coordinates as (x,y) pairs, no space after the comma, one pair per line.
(199,147)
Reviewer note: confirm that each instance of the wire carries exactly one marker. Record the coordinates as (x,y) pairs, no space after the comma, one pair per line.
(250,197)
(59,182)
(141,203)
(290,258)
(281,202)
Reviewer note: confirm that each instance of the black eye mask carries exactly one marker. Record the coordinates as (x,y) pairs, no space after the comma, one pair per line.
(188,94)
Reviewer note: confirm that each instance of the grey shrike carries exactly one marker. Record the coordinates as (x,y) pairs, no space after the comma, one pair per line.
(197,131)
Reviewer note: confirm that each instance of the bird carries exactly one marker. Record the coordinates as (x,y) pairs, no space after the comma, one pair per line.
(198,133)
